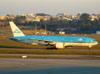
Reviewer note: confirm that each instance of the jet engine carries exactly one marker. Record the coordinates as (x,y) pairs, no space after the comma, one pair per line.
(59,45)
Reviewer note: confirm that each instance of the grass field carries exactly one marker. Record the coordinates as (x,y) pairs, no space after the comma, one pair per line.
(48,52)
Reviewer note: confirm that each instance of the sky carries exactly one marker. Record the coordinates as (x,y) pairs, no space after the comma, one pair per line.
(70,7)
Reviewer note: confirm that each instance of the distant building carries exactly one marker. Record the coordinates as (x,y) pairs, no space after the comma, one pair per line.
(94,17)
(97,32)
(75,17)
(61,32)
(32,18)
(3,17)
(98,15)
(11,16)
(68,18)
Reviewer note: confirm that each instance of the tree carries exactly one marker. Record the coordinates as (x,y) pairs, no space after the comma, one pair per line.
(20,19)
(85,17)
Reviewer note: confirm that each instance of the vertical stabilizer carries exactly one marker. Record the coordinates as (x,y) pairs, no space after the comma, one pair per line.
(15,30)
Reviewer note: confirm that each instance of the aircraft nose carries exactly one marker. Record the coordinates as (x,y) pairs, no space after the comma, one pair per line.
(96,42)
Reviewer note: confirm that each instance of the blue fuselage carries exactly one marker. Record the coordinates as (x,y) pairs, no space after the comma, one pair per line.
(62,39)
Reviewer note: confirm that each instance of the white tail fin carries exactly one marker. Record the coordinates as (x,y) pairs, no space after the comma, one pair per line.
(16,31)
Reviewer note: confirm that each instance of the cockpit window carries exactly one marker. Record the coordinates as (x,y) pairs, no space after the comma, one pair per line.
(94,40)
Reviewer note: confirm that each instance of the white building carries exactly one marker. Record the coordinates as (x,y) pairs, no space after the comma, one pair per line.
(97,32)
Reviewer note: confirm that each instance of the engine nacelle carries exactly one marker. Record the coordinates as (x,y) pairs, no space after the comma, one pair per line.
(59,45)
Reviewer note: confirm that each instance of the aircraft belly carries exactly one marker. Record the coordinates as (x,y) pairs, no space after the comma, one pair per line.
(80,44)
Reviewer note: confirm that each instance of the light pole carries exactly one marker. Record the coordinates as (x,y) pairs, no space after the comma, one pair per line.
(45,29)
(35,28)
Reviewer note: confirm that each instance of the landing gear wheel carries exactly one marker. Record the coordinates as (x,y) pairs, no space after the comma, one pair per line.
(51,47)
(90,47)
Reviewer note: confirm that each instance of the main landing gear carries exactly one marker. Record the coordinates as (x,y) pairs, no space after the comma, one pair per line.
(90,47)
(51,47)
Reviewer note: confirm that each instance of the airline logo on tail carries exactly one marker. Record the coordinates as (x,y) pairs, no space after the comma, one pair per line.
(16,31)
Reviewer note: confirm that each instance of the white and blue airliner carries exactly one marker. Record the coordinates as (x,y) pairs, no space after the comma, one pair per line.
(51,41)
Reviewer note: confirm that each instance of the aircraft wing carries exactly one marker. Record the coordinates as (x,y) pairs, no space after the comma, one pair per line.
(42,41)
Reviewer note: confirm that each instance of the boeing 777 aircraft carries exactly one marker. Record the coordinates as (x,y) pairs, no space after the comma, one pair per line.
(51,41)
